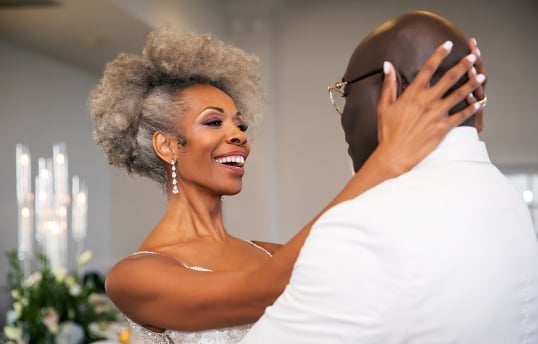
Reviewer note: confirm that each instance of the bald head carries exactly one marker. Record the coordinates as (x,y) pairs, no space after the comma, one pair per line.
(407,41)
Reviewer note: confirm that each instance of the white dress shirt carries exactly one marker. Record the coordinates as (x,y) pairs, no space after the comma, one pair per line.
(445,253)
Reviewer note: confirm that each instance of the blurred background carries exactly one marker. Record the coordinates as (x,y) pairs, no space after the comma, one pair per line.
(52,54)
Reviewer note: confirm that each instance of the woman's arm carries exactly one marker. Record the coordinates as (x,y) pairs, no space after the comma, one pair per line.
(157,292)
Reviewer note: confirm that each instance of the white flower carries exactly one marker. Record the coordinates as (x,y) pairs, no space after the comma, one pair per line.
(50,319)
(70,281)
(85,257)
(114,330)
(70,332)
(60,274)
(95,298)
(101,308)
(75,290)
(12,316)
(103,329)
(14,333)
(33,279)
(15,294)
(17,309)
(24,301)
(95,329)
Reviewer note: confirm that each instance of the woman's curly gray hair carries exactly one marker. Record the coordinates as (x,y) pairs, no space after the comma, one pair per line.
(137,95)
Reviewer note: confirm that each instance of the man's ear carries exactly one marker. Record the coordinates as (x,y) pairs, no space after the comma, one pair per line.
(164,145)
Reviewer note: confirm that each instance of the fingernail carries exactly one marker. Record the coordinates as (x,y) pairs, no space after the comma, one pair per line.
(471,58)
(471,96)
(448,45)
(386,67)
(477,106)
(480,78)
(475,43)
(473,71)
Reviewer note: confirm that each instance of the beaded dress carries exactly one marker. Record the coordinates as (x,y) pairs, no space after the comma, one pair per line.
(227,335)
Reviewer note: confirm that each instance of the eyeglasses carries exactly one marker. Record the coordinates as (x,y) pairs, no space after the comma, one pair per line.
(336,91)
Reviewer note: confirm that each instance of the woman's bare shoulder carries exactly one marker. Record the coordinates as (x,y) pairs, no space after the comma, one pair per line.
(139,268)
(144,259)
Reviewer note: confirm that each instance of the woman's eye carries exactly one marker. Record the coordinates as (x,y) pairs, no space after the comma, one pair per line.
(214,123)
(243,127)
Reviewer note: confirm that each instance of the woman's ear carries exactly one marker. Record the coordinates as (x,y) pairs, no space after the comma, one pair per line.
(164,146)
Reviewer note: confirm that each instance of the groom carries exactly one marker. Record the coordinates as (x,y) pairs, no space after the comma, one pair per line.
(445,253)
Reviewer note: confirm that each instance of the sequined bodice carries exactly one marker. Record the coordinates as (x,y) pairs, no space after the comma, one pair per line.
(227,335)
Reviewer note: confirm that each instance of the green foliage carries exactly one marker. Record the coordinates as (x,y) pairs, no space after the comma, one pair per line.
(49,305)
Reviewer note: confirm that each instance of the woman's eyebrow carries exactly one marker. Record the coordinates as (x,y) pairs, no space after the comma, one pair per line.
(216,108)
(221,110)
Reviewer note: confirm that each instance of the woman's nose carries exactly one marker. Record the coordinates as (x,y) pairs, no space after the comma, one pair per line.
(237,137)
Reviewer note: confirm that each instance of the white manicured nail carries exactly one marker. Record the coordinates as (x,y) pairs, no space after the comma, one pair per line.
(480,78)
(476,46)
(448,45)
(471,58)
(386,67)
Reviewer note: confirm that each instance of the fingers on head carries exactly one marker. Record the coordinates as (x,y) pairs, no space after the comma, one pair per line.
(433,62)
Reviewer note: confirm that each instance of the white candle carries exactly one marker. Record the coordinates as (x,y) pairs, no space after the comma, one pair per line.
(24,198)
(60,202)
(25,232)
(79,210)
(24,174)
(53,242)
(61,183)
(43,200)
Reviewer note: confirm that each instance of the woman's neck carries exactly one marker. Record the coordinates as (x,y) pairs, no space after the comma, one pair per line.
(192,215)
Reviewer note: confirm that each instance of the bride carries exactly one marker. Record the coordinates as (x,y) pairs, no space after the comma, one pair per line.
(178,114)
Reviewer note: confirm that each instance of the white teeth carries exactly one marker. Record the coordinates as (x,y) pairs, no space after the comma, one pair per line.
(236,159)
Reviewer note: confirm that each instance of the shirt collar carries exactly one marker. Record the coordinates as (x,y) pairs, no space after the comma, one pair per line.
(460,144)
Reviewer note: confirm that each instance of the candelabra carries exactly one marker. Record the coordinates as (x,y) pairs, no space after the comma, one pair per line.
(43,215)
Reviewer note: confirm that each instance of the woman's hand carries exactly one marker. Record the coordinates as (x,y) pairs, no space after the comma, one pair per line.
(418,120)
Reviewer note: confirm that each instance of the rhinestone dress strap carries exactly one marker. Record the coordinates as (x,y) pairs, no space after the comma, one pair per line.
(200,268)
(261,248)
(194,267)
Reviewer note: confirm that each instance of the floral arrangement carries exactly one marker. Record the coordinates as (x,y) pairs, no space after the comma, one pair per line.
(55,307)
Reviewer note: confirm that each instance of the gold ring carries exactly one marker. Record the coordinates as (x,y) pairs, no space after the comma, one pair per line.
(483,102)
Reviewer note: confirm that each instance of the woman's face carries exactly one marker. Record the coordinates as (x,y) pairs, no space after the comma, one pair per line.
(216,146)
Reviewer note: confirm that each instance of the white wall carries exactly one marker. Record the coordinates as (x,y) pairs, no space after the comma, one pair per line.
(299,159)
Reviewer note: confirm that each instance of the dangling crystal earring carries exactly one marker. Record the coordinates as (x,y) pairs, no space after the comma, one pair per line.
(175,190)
